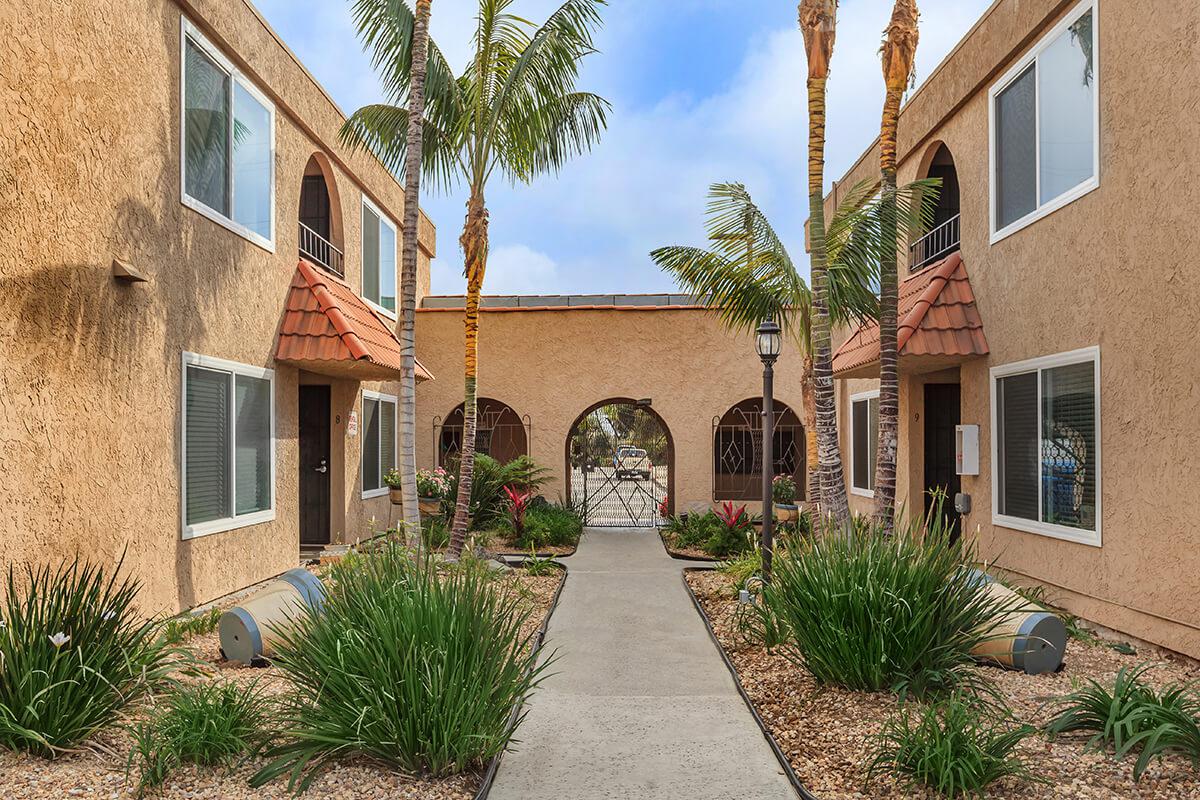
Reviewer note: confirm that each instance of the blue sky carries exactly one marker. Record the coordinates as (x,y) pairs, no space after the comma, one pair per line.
(702,91)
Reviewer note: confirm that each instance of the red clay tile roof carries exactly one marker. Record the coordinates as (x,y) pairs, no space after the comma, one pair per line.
(328,328)
(938,321)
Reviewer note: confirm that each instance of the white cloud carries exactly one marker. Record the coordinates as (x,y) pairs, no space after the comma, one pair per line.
(517,269)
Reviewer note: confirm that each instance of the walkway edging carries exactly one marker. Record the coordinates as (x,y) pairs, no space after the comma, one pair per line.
(489,777)
(786,765)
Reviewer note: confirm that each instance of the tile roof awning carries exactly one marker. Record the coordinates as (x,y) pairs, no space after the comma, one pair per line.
(328,329)
(939,325)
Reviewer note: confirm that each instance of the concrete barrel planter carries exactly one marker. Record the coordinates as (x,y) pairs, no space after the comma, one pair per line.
(396,496)
(786,513)
(429,505)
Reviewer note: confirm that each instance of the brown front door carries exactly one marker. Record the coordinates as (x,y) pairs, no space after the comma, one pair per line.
(314,465)
(942,414)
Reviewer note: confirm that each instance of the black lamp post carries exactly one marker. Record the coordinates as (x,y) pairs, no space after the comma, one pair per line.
(768,341)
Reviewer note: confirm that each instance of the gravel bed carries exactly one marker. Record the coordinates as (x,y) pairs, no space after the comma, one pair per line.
(827,733)
(98,770)
(688,553)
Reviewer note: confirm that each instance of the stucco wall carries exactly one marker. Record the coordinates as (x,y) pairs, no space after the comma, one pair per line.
(1112,269)
(90,386)
(555,364)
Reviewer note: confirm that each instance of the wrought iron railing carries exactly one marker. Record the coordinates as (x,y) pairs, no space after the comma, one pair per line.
(938,243)
(319,250)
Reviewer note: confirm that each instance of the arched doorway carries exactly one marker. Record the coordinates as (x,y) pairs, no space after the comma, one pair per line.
(321,217)
(944,232)
(620,461)
(499,432)
(738,455)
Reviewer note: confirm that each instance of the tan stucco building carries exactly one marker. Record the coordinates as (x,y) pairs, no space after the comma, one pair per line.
(545,362)
(163,417)
(1065,135)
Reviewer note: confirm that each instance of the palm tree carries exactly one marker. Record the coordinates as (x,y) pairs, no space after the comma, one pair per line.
(898,52)
(747,274)
(818,22)
(400,46)
(515,109)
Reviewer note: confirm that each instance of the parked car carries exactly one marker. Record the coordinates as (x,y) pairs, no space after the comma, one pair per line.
(632,462)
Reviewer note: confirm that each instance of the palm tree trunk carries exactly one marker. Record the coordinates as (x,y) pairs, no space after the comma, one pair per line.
(408,276)
(812,460)
(818,23)
(899,51)
(474,242)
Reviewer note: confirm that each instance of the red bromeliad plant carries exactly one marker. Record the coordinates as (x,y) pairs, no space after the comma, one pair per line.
(518,504)
(664,508)
(736,521)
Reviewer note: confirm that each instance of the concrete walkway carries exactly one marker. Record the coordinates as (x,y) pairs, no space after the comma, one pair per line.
(639,704)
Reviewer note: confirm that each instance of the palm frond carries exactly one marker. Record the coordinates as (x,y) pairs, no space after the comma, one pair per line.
(382,129)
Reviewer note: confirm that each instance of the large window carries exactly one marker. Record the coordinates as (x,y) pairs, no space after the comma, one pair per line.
(228,445)
(864,438)
(378,441)
(228,143)
(378,258)
(1045,126)
(1046,446)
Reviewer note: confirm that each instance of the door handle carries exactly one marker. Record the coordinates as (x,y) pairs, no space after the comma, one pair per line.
(321,468)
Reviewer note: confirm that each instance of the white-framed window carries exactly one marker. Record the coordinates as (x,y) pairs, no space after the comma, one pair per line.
(864,439)
(378,441)
(227,144)
(378,258)
(1044,122)
(228,452)
(1046,446)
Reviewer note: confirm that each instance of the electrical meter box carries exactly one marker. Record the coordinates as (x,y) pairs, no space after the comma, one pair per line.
(966,449)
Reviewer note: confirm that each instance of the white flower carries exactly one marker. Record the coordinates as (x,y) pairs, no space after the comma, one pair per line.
(59,639)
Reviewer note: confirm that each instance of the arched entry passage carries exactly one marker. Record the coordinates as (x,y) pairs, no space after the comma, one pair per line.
(499,433)
(737,450)
(620,463)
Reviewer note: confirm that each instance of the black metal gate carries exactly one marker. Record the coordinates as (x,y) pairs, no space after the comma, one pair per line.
(619,466)
(499,433)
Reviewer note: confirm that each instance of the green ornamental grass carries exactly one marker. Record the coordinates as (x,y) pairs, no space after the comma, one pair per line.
(209,724)
(873,612)
(1134,717)
(411,663)
(952,747)
(74,651)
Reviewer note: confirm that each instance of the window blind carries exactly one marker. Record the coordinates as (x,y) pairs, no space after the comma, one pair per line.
(387,438)
(253,444)
(370,444)
(1017,415)
(206,472)
(865,434)
(370,255)
(1016,150)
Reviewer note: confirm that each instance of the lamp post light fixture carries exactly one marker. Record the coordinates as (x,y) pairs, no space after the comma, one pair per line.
(768,341)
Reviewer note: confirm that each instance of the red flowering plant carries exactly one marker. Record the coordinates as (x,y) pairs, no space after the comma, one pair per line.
(735,534)
(664,508)
(518,504)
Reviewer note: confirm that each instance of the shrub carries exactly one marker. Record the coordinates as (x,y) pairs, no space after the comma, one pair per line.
(733,533)
(210,724)
(415,667)
(1133,715)
(430,482)
(185,626)
(487,505)
(950,748)
(871,612)
(74,651)
(741,568)
(550,525)
(435,534)
(783,490)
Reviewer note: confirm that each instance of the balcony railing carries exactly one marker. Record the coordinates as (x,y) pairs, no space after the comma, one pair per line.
(938,243)
(319,250)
